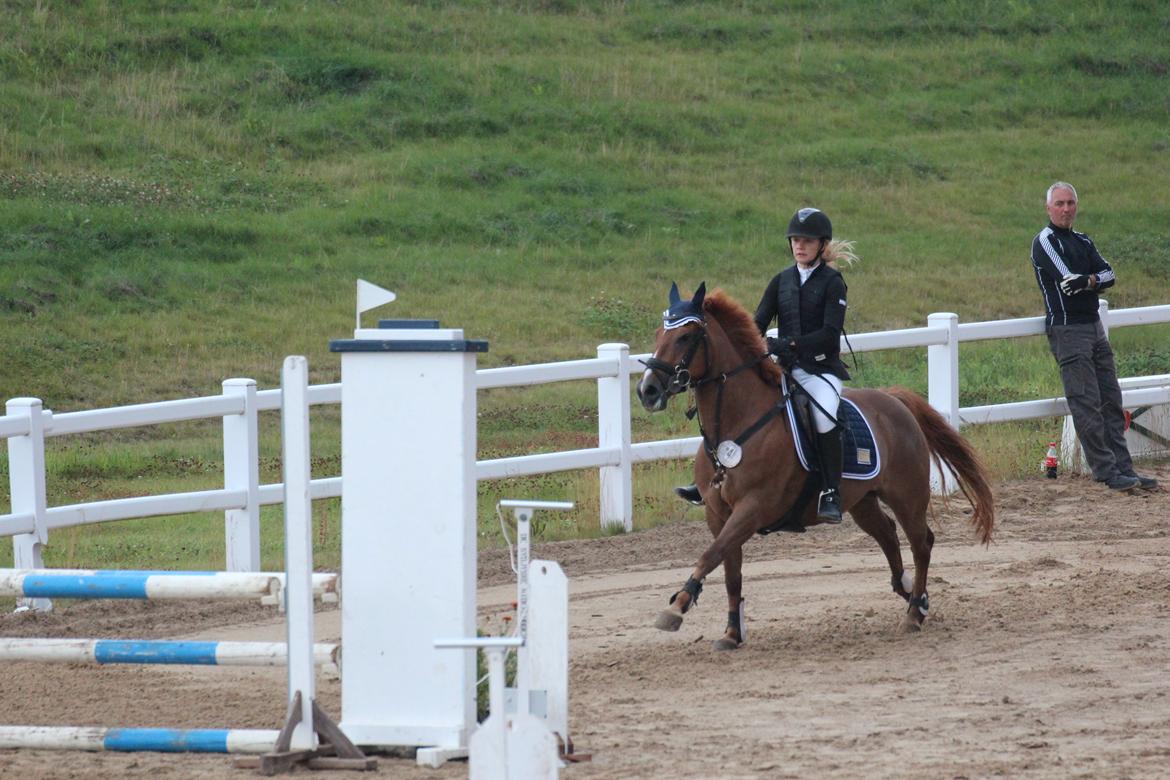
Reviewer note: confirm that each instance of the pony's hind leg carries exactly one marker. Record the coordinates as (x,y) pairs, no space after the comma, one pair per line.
(870,517)
(736,631)
(911,516)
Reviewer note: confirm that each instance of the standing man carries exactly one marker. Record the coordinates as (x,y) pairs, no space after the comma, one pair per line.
(1071,272)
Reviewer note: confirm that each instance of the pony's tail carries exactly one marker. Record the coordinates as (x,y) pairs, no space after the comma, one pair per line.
(949,448)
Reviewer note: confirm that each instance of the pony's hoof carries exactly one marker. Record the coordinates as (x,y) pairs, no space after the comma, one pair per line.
(723,643)
(668,620)
(910,625)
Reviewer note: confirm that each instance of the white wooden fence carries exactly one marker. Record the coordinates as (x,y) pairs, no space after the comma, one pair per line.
(26,426)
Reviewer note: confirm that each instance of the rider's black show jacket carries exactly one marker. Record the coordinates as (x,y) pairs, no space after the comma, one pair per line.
(812,315)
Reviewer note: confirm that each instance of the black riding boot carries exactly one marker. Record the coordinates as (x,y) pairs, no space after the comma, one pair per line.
(690,494)
(829,450)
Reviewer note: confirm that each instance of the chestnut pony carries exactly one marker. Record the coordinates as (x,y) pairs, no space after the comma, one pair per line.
(719,355)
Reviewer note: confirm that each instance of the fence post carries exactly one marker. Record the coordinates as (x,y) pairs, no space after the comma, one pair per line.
(942,362)
(241,471)
(942,368)
(613,430)
(26,482)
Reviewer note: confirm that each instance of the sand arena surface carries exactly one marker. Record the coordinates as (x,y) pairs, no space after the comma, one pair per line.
(1047,655)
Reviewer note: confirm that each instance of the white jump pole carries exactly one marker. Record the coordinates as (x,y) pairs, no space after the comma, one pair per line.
(134,651)
(408,548)
(298,546)
(128,740)
(155,585)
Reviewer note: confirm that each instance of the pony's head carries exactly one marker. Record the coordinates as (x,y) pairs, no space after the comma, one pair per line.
(701,336)
(684,330)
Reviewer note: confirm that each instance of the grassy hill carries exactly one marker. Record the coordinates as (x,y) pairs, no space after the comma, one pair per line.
(188,190)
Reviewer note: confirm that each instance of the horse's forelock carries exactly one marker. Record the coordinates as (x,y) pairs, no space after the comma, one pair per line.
(740,329)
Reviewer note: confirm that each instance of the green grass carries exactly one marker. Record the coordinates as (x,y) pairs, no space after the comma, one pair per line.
(189,191)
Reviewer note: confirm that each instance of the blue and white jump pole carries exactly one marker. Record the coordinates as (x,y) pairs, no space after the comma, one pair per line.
(138,739)
(154,585)
(144,651)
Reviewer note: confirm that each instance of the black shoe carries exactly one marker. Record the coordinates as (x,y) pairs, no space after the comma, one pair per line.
(1122,482)
(1145,483)
(690,494)
(829,506)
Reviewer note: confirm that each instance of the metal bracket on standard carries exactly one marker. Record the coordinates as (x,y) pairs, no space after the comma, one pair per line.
(335,751)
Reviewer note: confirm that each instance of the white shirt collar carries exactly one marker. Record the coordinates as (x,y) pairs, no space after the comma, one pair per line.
(806,271)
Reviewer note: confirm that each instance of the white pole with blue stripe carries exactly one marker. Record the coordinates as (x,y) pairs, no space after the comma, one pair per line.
(138,739)
(134,651)
(128,584)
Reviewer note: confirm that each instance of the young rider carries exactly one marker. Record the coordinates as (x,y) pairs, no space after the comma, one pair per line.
(808,301)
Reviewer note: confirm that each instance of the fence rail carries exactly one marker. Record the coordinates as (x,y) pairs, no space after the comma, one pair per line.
(26,426)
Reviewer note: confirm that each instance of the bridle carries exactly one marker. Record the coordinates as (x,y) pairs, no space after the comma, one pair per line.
(678,376)
(680,379)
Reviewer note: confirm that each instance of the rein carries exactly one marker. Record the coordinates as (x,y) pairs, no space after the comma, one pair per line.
(751,430)
(679,379)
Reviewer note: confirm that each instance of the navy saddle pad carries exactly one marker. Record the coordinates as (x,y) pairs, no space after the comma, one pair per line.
(861,456)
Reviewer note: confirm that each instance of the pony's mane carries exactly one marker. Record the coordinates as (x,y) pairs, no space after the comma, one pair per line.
(741,330)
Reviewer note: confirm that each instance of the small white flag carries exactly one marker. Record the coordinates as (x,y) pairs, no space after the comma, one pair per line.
(370,296)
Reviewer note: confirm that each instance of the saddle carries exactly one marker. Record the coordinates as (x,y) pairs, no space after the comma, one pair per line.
(861,457)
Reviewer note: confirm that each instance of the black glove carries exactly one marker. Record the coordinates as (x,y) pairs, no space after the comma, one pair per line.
(783,350)
(1072,284)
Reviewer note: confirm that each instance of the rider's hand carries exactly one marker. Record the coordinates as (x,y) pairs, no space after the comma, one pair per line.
(1072,284)
(784,351)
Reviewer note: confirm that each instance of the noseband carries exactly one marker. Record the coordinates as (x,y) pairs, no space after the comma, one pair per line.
(678,376)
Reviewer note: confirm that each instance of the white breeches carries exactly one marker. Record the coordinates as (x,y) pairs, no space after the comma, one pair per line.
(826,391)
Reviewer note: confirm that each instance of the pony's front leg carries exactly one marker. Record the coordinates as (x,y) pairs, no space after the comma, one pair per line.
(736,631)
(725,549)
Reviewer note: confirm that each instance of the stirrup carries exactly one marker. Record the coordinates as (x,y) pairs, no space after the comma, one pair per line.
(690,494)
(829,506)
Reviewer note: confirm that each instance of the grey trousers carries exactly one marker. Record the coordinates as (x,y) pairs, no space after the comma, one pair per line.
(1094,397)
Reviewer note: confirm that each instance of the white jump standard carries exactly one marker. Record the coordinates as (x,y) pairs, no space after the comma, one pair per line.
(518,741)
(408,545)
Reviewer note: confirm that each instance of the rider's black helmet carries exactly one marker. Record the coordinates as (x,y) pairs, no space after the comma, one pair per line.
(811,223)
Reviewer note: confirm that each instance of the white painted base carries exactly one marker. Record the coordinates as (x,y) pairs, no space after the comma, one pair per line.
(435,757)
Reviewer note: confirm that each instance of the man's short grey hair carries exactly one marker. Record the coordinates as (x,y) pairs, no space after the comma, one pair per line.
(1060,185)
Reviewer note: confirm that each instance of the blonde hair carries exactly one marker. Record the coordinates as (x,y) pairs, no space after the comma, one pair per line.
(839,251)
